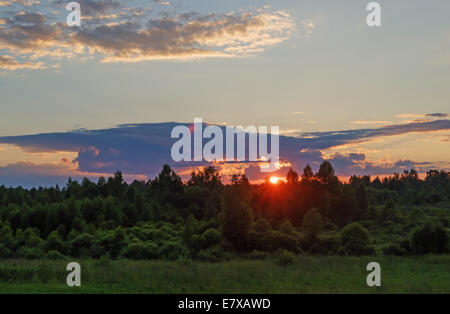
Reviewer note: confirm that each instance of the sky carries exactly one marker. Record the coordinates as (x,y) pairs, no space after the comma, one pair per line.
(89,100)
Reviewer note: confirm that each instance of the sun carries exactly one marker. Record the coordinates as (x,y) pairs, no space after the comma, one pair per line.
(274,180)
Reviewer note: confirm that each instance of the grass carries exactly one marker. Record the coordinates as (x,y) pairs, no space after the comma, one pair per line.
(308,274)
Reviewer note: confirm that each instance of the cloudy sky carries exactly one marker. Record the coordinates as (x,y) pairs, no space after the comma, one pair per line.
(85,101)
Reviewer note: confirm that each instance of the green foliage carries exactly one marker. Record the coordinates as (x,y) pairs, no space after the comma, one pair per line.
(258,255)
(165,218)
(141,250)
(429,239)
(55,255)
(81,244)
(5,252)
(275,240)
(212,254)
(211,237)
(325,246)
(355,240)
(236,219)
(30,253)
(172,250)
(6,236)
(284,258)
(312,223)
(394,249)
(54,242)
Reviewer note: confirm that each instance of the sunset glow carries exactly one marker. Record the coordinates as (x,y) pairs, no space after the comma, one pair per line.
(274,180)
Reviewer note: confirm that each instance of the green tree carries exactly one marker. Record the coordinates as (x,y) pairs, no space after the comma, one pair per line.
(312,223)
(236,219)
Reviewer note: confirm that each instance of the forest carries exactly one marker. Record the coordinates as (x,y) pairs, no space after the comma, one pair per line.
(205,220)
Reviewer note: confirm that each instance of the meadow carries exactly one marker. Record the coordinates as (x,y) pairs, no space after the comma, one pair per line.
(304,274)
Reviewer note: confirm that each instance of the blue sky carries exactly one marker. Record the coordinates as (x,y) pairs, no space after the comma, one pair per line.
(306,66)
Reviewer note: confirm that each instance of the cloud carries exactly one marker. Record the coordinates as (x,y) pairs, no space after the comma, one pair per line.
(357,164)
(27,174)
(9,63)
(437,115)
(133,34)
(29,18)
(362,122)
(323,140)
(172,38)
(428,115)
(141,149)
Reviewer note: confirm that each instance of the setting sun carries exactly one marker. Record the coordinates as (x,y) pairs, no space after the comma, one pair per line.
(274,180)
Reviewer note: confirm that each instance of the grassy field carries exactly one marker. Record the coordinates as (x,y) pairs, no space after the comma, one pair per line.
(426,274)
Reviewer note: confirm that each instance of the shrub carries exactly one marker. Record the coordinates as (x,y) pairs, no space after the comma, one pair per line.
(255,254)
(8,274)
(287,228)
(262,226)
(429,239)
(210,238)
(44,272)
(97,250)
(172,250)
(275,240)
(312,223)
(141,250)
(6,236)
(81,244)
(394,249)
(53,254)
(54,242)
(355,240)
(5,252)
(284,258)
(30,253)
(212,254)
(325,246)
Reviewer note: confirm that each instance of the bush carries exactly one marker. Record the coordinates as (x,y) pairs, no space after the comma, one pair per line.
(429,239)
(275,240)
(5,252)
(53,254)
(81,244)
(54,242)
(211,237)
(312,223)
(262,226)
(394,250)
(30,253)
(44,272)
(212,254)
(97,251)
(284,258)
(325,246)
(8,274)
(255,254)
(141,250)
(355,240)
(287,228)
(172,250)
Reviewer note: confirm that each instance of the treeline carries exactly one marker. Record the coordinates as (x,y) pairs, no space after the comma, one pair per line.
(205,219)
